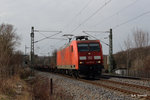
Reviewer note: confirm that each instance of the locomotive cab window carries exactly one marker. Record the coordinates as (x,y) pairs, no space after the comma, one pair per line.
(88,47)
(94,47)
(83,47)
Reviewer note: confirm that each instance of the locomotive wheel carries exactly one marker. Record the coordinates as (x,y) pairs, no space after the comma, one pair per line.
(66,72)
(75,74)
(63,71)
(70,72)
(79,75)
(93,76)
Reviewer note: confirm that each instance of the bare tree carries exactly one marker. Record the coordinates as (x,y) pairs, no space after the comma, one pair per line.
(141,38)
(8,40)
(128,43)
(128,46)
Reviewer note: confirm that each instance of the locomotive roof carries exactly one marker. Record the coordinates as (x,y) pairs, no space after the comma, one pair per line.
(81,41)
(86,41)
(78,41)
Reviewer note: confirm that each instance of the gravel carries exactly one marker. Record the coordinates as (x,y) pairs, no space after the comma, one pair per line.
(84,91)
(131,81)
(128,88)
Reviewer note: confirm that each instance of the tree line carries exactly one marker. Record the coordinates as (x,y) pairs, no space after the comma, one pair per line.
(10,59)
(136,52)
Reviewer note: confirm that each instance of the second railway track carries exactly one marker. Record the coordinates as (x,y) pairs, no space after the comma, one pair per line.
(135,91)
(127,84)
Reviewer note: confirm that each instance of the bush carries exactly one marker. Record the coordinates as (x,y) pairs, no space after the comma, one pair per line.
(25,73)
(43,90)
(7,86)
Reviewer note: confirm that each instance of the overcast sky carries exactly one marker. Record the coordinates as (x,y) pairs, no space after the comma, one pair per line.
(74,16)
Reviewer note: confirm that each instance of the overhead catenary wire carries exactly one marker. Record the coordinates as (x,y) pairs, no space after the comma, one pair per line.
(86,5)
(43,31)
(132,19)
(42,34)
(106,3)
(121,10)
(98,31)
(48,37)
(96,38)
(52,38)
(47,45)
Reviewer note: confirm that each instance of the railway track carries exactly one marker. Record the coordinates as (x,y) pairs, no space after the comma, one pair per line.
(106,84)
(131,90)
(126,77)
(127,84)
(116,88)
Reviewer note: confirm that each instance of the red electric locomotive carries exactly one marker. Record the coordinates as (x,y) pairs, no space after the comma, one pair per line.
(81,57)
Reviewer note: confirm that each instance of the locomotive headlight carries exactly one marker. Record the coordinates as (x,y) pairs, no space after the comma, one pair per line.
(97,57)
(81,62)
(98,62)
(82,57)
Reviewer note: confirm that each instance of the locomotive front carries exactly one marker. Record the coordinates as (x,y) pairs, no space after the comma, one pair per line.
(90,58)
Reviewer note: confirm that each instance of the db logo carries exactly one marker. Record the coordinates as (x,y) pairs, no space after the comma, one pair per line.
(89,57)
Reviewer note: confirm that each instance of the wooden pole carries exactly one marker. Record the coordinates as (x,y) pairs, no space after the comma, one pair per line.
(50,88)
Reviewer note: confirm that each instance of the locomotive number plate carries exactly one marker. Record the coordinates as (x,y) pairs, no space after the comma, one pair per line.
(89,57)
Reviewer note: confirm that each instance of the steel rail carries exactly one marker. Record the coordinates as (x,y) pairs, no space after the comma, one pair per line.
(127,84)
(128,92)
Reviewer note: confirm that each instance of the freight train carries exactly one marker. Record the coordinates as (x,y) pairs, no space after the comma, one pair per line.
(80,58)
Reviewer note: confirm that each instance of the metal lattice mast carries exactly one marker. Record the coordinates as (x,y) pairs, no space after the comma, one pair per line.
(110,52)
(32,46)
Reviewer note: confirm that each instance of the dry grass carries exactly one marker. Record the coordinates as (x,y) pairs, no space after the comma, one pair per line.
(35,88)
(10,62)
(10,90)
(25,73)
(41,90)
(7,87)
